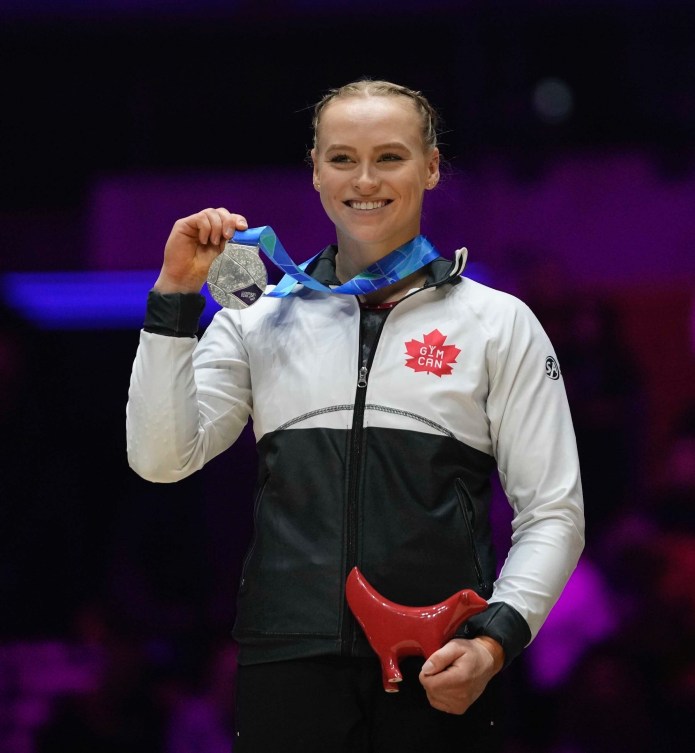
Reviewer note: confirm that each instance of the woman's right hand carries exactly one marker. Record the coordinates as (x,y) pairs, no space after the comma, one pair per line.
(193,244)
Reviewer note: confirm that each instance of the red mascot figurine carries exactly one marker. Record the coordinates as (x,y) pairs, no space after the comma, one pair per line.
(394,630)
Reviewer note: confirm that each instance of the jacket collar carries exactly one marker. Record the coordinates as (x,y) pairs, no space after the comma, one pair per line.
(439,271)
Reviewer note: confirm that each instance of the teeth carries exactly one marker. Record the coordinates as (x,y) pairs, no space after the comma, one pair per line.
(367,204)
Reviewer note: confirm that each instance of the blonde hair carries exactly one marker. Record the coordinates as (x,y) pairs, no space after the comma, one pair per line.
(374,88)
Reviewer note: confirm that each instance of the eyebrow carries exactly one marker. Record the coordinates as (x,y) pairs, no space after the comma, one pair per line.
(389,145)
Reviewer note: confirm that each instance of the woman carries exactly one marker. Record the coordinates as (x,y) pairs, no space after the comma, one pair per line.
(379,419)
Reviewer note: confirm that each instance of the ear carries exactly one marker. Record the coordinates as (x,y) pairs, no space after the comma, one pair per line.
(433,169)
(314,160)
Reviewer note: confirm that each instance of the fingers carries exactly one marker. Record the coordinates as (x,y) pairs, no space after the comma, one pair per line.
(193,244)
(450,694)
(443,689)
(450,690)
(441,659)
(212,226)
(455,676)
(216,226)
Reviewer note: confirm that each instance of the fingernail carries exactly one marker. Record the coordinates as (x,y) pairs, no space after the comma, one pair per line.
(243,222)
(229,232)
(428,667)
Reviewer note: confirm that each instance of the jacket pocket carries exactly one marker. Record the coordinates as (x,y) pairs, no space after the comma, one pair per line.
(254,538)
(469,519)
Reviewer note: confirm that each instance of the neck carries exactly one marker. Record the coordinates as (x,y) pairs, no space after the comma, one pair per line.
(352,259)
(355,256)
(350,262)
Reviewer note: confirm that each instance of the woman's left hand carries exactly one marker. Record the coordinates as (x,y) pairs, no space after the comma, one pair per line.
(457,674)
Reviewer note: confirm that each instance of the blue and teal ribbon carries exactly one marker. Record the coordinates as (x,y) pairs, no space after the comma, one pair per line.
(400,263)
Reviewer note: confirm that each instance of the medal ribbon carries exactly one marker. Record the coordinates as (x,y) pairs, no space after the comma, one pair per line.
(405,260)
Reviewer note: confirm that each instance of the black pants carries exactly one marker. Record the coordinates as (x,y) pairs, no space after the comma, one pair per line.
(334,705)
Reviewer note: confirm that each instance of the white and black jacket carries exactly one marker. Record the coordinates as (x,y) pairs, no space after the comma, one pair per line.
(384,465)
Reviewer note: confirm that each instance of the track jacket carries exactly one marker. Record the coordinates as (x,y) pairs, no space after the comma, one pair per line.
(383,464)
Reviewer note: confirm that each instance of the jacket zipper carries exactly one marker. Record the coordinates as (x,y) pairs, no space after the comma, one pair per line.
(348,622)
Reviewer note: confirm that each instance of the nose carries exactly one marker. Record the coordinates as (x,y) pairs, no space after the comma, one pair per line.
(365,179)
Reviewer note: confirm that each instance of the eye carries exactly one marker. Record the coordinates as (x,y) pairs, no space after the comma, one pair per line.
(339,158)
(390,157)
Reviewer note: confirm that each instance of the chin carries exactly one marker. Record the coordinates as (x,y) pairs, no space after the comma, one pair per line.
(372,233)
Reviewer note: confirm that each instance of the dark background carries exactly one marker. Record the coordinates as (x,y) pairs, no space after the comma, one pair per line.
(98,91)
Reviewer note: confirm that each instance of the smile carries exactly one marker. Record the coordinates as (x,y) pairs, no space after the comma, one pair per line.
(367,205)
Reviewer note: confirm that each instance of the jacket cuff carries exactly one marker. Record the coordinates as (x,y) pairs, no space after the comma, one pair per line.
(503,623)
(173,314)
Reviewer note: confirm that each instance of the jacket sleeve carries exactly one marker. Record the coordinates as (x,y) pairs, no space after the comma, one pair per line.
(535,447)
(188,401)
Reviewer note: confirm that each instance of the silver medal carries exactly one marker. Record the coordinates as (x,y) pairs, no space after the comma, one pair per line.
(238,277)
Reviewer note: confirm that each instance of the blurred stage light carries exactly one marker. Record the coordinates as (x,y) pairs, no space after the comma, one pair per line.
(553,100)
(105,300)
(83,300)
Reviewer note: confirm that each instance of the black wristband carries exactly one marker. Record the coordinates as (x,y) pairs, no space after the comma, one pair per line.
(173,314)
(503,623)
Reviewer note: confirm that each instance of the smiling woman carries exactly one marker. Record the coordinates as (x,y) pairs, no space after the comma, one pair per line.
(372,164)
(379,417)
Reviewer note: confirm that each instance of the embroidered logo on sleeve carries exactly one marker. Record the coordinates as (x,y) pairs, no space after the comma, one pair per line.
(431,355)
(552,369)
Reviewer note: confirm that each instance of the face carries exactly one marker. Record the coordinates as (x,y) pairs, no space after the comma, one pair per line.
(372,168)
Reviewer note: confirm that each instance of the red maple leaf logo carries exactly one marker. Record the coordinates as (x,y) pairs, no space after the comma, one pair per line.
(431,355)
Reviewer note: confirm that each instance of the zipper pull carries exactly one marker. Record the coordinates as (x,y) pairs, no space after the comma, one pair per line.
(362,379)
